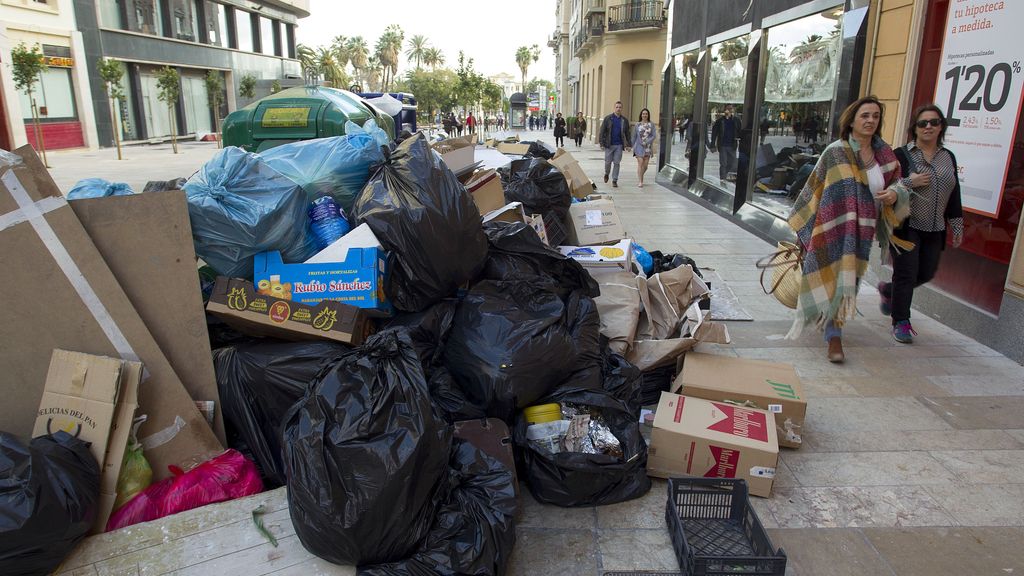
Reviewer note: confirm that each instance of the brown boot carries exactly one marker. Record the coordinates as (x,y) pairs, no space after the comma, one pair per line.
(835,350)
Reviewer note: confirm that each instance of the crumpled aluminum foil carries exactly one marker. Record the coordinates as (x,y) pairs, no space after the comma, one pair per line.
(600,439)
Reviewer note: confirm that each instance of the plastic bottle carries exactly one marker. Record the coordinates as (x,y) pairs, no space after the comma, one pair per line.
(329,224)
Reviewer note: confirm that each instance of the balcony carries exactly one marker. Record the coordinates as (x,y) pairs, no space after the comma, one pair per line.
(555,39)
(636,16)
(593,6)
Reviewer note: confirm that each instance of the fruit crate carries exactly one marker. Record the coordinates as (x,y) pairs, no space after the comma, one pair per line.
(715,531)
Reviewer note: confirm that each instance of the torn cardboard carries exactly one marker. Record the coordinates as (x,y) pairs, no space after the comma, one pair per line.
(513,149)
(697,437)
(511,212)
(68,298)
(146,240)
(239,305)
(486,190)
(580,185)
(457,153)
(759,384)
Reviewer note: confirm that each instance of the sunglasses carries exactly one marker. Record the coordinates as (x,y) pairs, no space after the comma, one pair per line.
(934,122)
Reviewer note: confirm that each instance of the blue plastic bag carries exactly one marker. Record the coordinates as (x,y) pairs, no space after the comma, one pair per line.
(98,188)
(643,258)
(338,166)
(239,206)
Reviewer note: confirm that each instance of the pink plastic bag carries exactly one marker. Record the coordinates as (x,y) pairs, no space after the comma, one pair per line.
(224,477)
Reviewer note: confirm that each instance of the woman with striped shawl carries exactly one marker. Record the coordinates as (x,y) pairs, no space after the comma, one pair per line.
(853,196)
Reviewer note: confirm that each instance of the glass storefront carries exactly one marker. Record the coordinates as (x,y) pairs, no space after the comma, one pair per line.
(682,143)
(243,30)
(54,95)
(724,119)
(196,104)
(793,122)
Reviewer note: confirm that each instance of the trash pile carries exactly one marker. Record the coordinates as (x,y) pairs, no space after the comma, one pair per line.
(396,332)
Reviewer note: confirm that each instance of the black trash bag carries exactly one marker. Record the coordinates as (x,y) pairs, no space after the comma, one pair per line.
(259,381)
(540,186)
(366,457)
(578,479)
(666,262)
(539,150)
(164,185)
(428,330)
(517,252)
(449,399)
(49,497)
(474,531)
(427,223)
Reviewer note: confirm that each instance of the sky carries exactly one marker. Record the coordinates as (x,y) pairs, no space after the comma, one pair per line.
(489,31)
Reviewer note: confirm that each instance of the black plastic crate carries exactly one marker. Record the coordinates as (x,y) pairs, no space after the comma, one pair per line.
(715,532)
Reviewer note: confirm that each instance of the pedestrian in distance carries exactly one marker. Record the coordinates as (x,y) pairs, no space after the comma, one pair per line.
(725,133)
(532,122)
(935,206)
(854,194)
(579,129)
(643,137)
(614,138)
(798,129)
(470,124)
(559,130)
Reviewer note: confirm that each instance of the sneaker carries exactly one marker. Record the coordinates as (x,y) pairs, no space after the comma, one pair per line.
(903,332)
(885,305)
(605,178)
(615,183)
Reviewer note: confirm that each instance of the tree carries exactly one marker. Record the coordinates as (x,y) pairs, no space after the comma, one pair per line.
(373,73)
(215,95)
(734,49)
(810,40)
(358,55)
(275,87)
(434,58)
(433,90)
(247,87)
(339,48)
(468,84)
(536,83)
(524,56)
(111,71)
(27,64)
(387,50)
(168,84)
(417,49)
(307,59)
(329,68)
(493,97)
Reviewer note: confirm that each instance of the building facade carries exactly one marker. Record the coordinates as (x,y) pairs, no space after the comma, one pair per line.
(559,43)
(62,96)
(787,69)
(234,38)
(616,53)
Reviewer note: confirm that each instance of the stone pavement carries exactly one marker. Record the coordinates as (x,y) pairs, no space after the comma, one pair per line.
(913,462)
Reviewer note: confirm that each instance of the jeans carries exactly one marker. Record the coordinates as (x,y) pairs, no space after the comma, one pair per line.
(911,269)
(612,158)
(832,331)
(727,161)
(578,139)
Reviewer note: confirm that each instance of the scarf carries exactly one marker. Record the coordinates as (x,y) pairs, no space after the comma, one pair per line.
(835,218)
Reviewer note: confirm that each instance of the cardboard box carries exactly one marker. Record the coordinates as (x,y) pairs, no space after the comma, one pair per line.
(359,237)
(357,281)
(513,149)
(68,298)
(580,185)
(238,304)
(697,437)
(457,153)
(159,276)
(618,255)
(486,190)
(93,398)
(594,222)
(536,221)
(765,385)
(511,212)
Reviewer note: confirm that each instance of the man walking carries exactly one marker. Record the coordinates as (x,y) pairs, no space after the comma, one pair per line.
(614,136)
(724,133)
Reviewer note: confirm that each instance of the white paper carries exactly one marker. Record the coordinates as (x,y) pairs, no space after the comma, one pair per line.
(594,218)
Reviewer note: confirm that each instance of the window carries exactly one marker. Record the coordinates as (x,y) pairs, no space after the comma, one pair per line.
(290,33)
(243,31)
(266,35)
(726,89)
(54,95)
(196,105)
(111,13)
(278,51)
(183,20)
(216,24)
(684,140)
(794,120)
(144,16)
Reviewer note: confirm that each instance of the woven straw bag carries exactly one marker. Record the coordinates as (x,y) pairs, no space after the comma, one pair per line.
(786,273)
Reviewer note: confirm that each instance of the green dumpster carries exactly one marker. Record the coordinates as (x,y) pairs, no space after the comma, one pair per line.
(300,113)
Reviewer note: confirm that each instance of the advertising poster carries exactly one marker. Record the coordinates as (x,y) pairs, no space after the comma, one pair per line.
(979,89)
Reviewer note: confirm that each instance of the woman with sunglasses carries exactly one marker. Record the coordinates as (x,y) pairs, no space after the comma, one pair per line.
(932,173)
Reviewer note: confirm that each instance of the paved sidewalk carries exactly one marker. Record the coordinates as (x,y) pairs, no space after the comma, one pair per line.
(913,462)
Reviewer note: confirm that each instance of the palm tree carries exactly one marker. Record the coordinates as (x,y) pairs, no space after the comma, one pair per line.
(340,48)
(433,58)
(373,71)
(734,49)
(417,49)
(328,67)
(810,40)
(395,38)
(307,59)
(524,56)
(383,56)
(358,55)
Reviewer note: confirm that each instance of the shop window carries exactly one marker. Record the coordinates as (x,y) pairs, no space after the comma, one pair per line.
(793,124)
(724,120)
(54,95)
(266,36)
(183,20)
(196,105)
(216,24)
(682,142)
(144,16)
(243,31)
